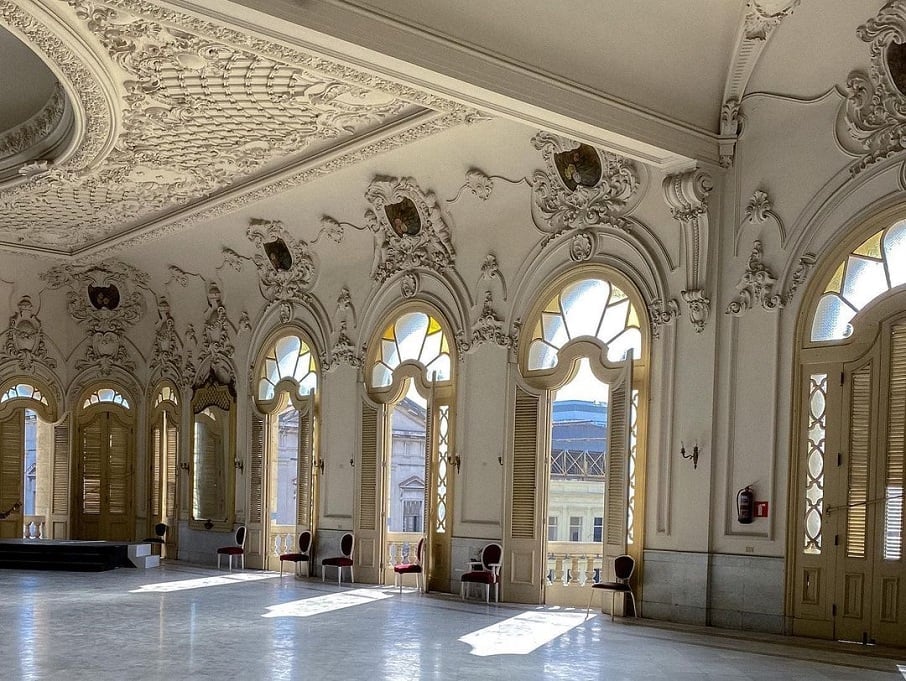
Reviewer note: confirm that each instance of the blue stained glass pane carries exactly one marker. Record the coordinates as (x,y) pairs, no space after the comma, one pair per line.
(554,329)
(381,376)
(583,304)
(287,352)
(865,280)
(895,253)
(389,353)
(630,339)
(542,356)
(442,366)
(614,321)
(832,317)
(308,384)
(265,390)
(431,348)
(410,334)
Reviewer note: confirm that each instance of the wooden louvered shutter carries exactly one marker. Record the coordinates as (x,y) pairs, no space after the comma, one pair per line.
(12,461)
(256,470)
(157,455)
(368,466)
(172,442)
(860,426)
(616,476)
(521,574)
(119,480)
(90,467)
(303,493)
(59,526)
(896,447)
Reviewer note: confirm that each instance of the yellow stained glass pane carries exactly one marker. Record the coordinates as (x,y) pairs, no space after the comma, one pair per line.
(836,282)
(444,345)
(633,317)
(871,247)
(616,295)
(553,307)
(433,325)
(311,364)
(389,334)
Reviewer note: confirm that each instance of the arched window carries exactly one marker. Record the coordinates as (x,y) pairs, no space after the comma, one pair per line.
(283,473)
(165,419)
(877,265)
(23,391)
(848,471)
(407,457)
(106,395)
(583,375)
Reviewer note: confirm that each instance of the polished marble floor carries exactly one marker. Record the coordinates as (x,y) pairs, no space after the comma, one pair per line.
(189,622)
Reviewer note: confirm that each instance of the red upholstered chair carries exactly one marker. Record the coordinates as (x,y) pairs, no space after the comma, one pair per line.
(302,556)
(412,568)
(347,543)
(484,571)
(238,549)
(622,570)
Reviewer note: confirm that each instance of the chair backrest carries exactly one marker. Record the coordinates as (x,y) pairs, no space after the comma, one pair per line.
(347,542)
(490,555)
(420,550)
(160,530)
(623,567)
(304,541)
(240,536)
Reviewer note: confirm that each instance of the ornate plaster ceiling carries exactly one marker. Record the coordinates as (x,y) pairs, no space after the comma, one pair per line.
(181,117)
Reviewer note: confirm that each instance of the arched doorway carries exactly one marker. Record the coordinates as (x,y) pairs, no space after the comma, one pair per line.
(407,447)
(105,467)
(575,470)
(846,544)
(163,498)
(26,459)
(284,472)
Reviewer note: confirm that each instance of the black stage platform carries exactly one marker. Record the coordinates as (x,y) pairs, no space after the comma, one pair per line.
(64,554)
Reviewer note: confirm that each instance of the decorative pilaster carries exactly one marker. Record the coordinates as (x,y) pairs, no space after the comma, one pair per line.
(687,196)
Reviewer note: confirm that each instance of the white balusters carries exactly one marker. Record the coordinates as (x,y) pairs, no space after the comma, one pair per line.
(33,527)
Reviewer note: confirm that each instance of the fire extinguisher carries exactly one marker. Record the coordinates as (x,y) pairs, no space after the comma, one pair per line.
(745,505)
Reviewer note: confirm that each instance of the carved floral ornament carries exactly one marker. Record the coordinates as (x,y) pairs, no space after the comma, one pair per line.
(205,109)
(286,266)
(167,357)
(26,342)
(582,187)
(411,231)
(106,301)
(872,120)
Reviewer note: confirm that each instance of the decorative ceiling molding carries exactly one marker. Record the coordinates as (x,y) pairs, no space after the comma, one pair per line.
(207,110)
(28,142)
(762,17)
(106,300)
(596,188)
(687,196)
(410,231)
(874,111)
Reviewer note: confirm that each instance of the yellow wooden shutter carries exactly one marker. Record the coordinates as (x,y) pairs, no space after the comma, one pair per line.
(61,468)
(616,480)
(368,466)
(256,469)
(157,455)
(119,479)
(896,444)
(12,461)
(90,466)
(172,441)
(858,468)
(303,477)
(525,462)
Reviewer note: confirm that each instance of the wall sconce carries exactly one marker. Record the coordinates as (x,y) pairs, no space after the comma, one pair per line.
(454,460)
(319,464)
(208,524)
(693,455)
(237,463)
(184,466)
(352,463)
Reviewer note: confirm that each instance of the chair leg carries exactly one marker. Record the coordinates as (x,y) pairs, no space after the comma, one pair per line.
(281,569)
(591,593)
(635,610)
(339,574)
(612,596)
(218,561)
(351,575)
(323,572)
(487,593)
(462,591)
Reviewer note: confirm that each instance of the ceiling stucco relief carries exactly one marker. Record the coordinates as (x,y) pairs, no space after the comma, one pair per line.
(872,120)
(26,145)
(342,350)
(762,17)
(167,357)
(208,110)
(107,299)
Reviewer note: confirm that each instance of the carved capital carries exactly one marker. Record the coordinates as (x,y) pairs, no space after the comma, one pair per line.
(662,312)
(699,308)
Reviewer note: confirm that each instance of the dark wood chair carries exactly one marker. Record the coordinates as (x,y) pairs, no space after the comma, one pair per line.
(303,555)
(485,571)
(412,568)
(347,544)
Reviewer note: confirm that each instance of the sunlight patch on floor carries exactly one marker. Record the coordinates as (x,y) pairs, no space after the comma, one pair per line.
(523,633)
(307,607)
(902,669)
(202,582)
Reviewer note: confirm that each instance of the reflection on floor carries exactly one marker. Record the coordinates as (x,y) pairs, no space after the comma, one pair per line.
(137,624)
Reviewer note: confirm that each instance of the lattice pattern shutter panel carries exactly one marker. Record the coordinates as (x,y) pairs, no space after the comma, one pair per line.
(157,456)
(814,465)
(92,434)
(12,462)
(368,469)
(896,443)
(303,494)
(859,451)
(525,462)
(119,469)
(256,469)
(633,450)
(443,468)
(616,482)
(172,458)
(61,468)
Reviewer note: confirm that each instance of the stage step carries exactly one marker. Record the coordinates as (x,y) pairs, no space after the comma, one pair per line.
(141,557)
(78,556)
